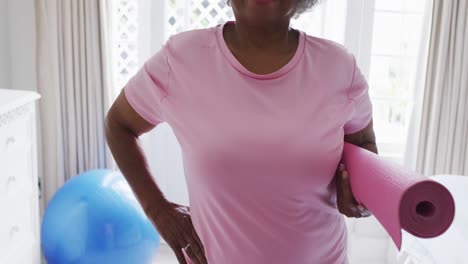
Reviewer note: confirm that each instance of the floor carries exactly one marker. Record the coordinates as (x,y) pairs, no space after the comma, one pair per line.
(165,255)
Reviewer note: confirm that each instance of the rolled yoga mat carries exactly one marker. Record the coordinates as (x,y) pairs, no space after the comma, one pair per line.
(398,197)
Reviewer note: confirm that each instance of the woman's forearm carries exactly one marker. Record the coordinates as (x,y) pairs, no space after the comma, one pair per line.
(371,146)
(129,156)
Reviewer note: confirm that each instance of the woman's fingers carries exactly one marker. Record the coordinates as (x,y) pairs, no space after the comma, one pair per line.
(347,205)
(348,198)
(174,224)
(197,239)
(363,210)
(350,202)
(179,254)
(194,236)
(195,252)
(346,183)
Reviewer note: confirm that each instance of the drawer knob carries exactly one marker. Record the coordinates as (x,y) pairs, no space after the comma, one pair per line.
(10,182)
(10,141)
(13,231)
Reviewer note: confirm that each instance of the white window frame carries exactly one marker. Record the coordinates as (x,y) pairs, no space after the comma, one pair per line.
(152,26)
(359,22)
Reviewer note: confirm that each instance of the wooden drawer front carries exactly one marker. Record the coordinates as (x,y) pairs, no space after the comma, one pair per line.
(17,221)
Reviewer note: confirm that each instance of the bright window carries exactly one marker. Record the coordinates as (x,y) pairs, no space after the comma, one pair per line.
(396,41)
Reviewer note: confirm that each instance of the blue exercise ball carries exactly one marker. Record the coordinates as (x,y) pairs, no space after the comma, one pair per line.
(95,218)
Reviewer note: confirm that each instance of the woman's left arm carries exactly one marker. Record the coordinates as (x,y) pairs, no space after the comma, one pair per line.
(364,138)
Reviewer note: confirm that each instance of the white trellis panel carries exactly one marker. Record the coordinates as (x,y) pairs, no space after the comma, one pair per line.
(182,15)
(125,42)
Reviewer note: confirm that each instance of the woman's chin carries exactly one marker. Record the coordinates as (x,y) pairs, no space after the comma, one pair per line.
(264,12)
(263,2)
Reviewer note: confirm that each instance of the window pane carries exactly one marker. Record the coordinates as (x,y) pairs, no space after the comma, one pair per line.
(396,43)
(326,20)
(310,22)
(396,34)
(415,5)
(394,5)
(387,33)
(391,76)
(401,5)
(391,85)
(412,31)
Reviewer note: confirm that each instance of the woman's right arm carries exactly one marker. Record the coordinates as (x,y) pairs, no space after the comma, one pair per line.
(123,127)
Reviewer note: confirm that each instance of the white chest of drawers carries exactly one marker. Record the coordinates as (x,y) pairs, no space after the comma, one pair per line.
(19,191)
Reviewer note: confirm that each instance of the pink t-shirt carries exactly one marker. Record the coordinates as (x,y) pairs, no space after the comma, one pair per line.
(259,151)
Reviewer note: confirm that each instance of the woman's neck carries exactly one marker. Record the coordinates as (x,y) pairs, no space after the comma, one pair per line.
(274,38)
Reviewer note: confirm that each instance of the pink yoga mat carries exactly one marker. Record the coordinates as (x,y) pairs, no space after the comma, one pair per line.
(397,197)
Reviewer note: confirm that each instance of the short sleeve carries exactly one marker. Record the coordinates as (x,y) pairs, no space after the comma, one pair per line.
(148,87)
(358,93)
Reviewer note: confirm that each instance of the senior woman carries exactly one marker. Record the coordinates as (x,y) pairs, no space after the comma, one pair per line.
(261,112)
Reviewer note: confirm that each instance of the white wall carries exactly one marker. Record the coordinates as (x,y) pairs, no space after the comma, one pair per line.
(17,44)
(4,46)
(22,44)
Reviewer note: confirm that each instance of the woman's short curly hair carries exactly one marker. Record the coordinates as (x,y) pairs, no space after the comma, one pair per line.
(302,6)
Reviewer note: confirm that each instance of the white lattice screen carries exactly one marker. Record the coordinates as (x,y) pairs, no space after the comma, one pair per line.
(125,32)
(184,15)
